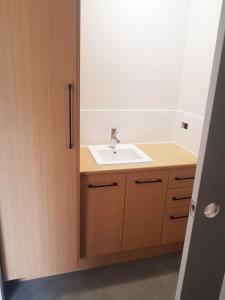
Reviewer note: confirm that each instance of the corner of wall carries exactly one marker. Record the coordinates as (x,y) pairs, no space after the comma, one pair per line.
(199,52)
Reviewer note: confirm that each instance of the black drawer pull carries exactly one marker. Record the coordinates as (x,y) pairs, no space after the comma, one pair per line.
(185,178)
(148,181)
(181,198)
(175,218)
(92,186)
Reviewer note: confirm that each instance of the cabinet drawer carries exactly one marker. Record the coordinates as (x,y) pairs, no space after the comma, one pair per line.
(175,222)
(102,208)
(181,177)
(144,208)
(179,197)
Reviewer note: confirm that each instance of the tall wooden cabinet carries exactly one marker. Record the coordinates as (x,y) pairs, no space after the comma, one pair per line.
(39,136)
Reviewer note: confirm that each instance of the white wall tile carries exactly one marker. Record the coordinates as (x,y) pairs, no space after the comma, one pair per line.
(190,138)
(132,53)
(203,21)
(143,77)
(202,29)
(133,126)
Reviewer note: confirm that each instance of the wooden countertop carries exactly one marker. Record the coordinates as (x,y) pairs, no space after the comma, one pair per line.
(164,156)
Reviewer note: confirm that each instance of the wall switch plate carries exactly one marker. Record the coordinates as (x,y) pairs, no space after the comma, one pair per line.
(184,125)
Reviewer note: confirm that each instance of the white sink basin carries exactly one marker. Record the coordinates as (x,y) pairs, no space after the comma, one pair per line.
(123,154)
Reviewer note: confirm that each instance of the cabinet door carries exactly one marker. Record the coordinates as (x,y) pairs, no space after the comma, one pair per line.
(144,208)
(38,170)
(102,208)
(175,223)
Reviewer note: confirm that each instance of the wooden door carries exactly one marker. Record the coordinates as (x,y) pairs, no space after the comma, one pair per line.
(102,208)
(38,170)
(144,208)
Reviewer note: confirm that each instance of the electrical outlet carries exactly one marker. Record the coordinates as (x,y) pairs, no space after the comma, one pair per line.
(184,125)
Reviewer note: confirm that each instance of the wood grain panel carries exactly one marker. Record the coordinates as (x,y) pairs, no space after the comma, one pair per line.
(179,197)
(181,177)
(102,208)
(174,229)
(38,173)
(144,209)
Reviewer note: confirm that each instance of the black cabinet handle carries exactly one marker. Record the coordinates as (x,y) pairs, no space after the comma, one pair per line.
(181,198)
(70,88)
(175,218)
(148,181)
(92,186)
(184,178)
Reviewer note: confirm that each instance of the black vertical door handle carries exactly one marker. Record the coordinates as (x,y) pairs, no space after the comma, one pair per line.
(70,91)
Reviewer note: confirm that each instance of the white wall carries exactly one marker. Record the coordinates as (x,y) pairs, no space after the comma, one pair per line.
(222,294)
(203,22)
(145,68)
(131,60)
(133,126)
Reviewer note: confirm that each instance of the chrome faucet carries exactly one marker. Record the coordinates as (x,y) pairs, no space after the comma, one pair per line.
(114,139)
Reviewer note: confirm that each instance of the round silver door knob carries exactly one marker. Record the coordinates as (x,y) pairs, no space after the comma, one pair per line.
(212,210)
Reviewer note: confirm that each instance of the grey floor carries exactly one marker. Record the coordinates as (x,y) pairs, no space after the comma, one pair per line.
(152,278)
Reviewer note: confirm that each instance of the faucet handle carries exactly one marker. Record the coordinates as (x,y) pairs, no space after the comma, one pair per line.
(114,130)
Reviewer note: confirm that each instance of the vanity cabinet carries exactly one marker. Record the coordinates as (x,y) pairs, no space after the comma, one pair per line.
(102,209)
(39,129)
(144,208)
(123,213)
(145,215)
